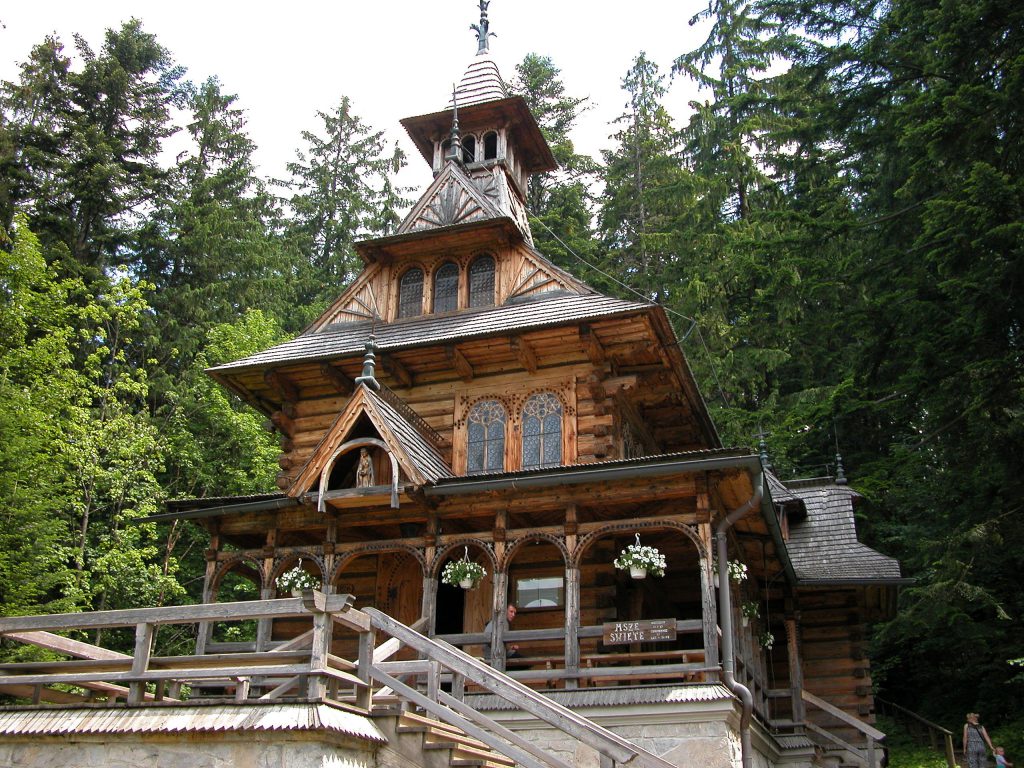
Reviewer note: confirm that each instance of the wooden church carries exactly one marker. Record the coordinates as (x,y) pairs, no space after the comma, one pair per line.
(467,407)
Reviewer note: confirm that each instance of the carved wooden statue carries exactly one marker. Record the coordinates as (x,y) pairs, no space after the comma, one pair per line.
(364,473)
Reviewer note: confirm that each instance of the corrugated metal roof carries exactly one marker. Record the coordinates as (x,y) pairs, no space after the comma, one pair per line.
(824,546)
(794,742)
(342,339)
(191,718)
(612,697)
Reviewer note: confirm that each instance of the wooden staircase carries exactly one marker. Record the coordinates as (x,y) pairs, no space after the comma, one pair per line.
(464,751)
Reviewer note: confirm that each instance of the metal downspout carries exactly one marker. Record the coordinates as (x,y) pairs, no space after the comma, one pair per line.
(725,618)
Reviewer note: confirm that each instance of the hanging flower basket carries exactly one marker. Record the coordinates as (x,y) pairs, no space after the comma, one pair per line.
(737,571)
(640,560)
(766,639)
(749,610)
(463,573)
(296,580)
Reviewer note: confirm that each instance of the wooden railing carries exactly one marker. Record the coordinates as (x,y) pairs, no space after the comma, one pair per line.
(916,724)
(305,663)
(868,755)
(441,659)
(303,667)
(676,664)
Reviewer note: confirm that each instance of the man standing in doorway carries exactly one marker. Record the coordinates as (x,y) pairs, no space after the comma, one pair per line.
(511,649)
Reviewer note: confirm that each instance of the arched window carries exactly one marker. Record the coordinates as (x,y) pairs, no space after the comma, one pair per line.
(486,438)
(468,149)
(542,431)
(481,282)
(446,288)
(410,294)
(490,146)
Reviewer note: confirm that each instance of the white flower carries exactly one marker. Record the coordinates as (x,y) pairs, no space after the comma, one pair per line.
(296,579)
(456,571)
(640,556)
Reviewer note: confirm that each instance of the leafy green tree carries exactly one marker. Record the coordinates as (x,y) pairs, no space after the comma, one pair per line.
(216,445)
(78,430)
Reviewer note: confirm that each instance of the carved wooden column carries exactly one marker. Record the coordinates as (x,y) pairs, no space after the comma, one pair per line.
(330,558)
(267,591)
(709,605)
(796,670)
(205,628)
(429,599)
(498,620)
(572,602)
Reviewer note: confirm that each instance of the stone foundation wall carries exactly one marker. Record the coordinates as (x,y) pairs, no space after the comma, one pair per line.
(205,750)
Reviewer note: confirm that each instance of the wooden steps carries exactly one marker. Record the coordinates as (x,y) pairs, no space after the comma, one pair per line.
(464,751)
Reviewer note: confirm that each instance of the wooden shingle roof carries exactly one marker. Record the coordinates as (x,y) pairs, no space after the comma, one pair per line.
(824,548)
(343,339)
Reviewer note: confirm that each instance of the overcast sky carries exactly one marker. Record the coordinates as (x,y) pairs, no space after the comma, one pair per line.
(394,59)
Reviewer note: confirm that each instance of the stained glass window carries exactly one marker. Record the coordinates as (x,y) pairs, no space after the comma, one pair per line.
(410,294)
(446,288)
(542,431)
(481,282)
(486,439)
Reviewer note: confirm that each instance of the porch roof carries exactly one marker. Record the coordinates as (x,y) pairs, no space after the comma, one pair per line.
(615,696)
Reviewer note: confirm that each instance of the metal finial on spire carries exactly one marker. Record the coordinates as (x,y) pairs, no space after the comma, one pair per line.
(483,33)
(455,140)
(369,363)
(840,474)
(762,449)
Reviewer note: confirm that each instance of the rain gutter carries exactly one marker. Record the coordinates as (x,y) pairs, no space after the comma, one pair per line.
(266,505)
(725,616)
(582,473)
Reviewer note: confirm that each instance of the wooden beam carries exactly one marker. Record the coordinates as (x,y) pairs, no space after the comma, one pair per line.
(282,385)
(339,380)
(592,345)
(459,361)
(66,645)
(632,414)
(396,369)
(283,423)
(525,354)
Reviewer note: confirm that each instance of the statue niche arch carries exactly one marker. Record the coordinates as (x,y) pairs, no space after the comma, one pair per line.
(361,443)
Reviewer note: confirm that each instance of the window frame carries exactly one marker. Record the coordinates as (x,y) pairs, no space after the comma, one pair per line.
(488,441)
(454,295)
(560,442)
(399,315)
(478,259)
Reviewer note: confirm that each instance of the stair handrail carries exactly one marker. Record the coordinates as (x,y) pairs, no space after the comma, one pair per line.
(459,662)
(947,735)
(873,736)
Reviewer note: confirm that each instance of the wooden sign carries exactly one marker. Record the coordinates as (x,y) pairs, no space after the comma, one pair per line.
(650,631)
